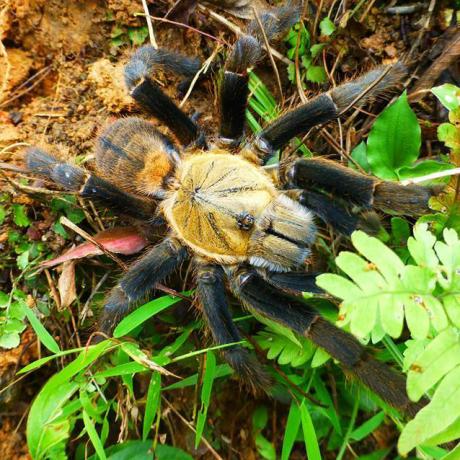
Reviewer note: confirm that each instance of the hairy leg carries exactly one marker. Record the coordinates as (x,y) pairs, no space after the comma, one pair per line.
(365,191)
(139,73)
(244,55)
(211,294)
(88,185)
(292,312)
(291,281)
(327,107)
(140,280)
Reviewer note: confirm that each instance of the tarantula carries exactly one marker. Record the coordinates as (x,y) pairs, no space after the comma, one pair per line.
(236,220)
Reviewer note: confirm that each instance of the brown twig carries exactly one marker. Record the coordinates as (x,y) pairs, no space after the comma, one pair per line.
(69,224)
(236,30)
(270,55)
(153,41)
(191,427)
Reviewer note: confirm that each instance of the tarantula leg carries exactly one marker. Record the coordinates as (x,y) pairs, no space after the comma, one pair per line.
(139,74)
(365,191)
(327,106)
(338,216)
(211,294)
(245,54)
(88,185)
(292,281)
(292,312)
(133,154)
(140,280)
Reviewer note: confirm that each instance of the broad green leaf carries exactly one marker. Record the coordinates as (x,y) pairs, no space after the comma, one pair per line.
(439,414)
(394,140)
(448,94)
(359,154)
(138,35)
(423,168)
(10,340)
(316,49)
(319,358)
(44,431)
(427,369)
(326,27)
(316,74)
(19,215)
(387,261)
(338,286)
(421,246)
(142,450)
(142,314)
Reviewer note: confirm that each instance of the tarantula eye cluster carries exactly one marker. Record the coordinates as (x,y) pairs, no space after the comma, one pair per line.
(239,226)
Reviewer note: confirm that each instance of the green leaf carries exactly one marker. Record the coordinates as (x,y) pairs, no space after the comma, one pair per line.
(422,168)
(309,433)
(142,314)
(316,49)
(22,261)
(358,434)
(138,35)
(10,340)
(359,154)
(44,430)
(394,140)
(448,95)
(291,430)
(326,27)
(316,74)
(428,369)
(142,450)
(93,436)
(153,403)
(265,447)
(208,380)
(437,416)
(19,215)
(45,337)
(421,246)
(2,214)
(259,418)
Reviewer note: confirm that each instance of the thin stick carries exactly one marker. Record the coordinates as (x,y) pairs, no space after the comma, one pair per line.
(189,425)
(180,24)
(270,55)
(432,176)
(66,222)
(204,68)
(30,88)
(236,30)
(153,41)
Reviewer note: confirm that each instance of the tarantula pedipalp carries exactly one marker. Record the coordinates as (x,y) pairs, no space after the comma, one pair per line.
(226,213)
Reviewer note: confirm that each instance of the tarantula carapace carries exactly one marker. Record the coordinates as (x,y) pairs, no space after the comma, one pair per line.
(238,221)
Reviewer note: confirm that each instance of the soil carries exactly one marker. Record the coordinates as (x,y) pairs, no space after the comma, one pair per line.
(61,82)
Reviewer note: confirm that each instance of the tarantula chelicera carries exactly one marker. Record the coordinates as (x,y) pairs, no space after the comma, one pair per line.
(236,220)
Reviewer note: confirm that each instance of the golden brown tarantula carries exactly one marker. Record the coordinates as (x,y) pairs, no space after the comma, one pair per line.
(235,221)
